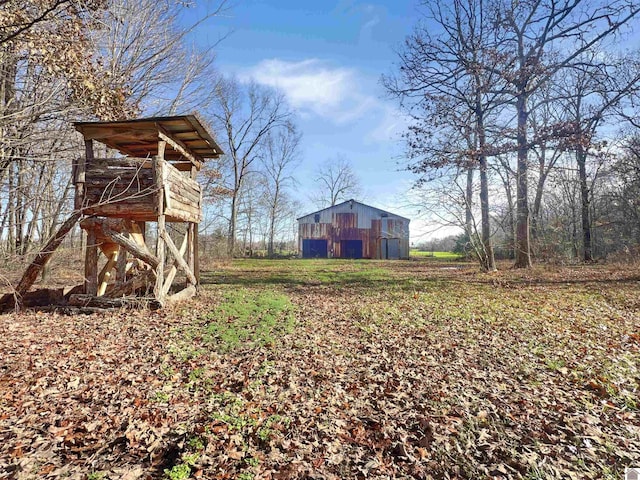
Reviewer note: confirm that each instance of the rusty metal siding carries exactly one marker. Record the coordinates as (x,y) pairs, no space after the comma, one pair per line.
(352,220)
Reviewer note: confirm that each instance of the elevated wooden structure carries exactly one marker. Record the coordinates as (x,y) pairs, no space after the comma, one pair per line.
(152,180)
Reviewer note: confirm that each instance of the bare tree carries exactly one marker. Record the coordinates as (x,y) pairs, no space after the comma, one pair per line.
(281,156)
(145,42)
(118,55)
(592,98)
(534,41)
(246,114)
(336,181)
(446,83)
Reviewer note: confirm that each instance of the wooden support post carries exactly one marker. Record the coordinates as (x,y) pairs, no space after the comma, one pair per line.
(105,273)
(196,254)
(80,174)
(159,182)
(194,249)
(190,251)
(91,264)
(31,273)
(182,295)
(121,266)
(194,260)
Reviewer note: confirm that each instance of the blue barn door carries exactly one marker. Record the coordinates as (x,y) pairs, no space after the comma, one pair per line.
(314,248)
(351,248)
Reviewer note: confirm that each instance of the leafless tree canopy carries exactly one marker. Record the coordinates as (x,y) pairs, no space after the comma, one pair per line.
(502,86)
(65,61)
(337,181)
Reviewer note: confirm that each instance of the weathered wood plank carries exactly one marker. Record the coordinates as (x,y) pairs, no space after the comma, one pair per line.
(127,164)
(171,274)
(35,267)
(185,196)
(91,263)
(185,207)
(182,295)
(137,162)
(137,250)
(182,265)
(124,210)
(158,165)
(181,216)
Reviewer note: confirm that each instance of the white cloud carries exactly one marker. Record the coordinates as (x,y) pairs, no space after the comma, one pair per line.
(391,122)
(315,88)
(341,95)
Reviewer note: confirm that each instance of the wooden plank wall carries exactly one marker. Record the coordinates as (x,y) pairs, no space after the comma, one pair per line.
(183,196)
(120,187)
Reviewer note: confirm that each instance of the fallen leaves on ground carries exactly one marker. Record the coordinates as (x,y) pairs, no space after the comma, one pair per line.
(390,370)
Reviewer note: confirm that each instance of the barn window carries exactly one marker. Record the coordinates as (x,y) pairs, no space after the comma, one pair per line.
(316,218)
(384,215)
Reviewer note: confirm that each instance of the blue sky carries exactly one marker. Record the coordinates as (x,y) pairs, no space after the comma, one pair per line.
(327,58)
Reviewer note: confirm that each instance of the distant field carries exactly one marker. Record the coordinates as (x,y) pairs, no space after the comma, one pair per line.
(335,369)
(438,255)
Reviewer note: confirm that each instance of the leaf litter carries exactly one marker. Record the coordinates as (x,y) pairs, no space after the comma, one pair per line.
(339,370)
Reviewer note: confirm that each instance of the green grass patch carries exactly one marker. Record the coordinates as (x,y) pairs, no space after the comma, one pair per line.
(250,319)
(334,272)
(435,255)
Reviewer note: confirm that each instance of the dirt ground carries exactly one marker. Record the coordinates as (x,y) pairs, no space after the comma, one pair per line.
(334,369)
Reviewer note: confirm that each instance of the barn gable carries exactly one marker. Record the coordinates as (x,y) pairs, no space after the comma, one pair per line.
(353,230)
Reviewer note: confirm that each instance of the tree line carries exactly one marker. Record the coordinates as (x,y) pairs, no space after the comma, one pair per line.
(63,61)
(523,124)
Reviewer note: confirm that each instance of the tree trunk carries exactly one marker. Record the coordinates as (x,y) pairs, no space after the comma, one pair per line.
(581,159)
(489,261)
(231,240)
(468,213)
(272,220)
(523,248)
(537,202)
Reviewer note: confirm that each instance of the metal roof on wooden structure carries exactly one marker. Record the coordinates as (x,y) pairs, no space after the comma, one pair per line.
(139,138)
(351,203)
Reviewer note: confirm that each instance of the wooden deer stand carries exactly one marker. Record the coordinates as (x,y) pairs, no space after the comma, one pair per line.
(154,182)
(115,198)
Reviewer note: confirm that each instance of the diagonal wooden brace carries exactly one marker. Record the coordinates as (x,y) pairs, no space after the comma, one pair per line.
(182,265)
(132,247)
(174,268)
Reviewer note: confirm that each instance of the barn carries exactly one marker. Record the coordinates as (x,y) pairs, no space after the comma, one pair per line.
(353,230)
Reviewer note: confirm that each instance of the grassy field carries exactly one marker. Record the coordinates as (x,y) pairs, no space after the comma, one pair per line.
(434,255)
(335,369)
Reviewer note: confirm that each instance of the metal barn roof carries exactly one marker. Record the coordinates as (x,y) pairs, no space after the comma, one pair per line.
(354,202)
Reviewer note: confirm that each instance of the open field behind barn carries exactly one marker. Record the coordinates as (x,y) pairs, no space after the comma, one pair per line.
(335,369)
(434,255)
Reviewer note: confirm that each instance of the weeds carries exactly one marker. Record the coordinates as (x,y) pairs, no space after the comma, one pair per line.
(249,319)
